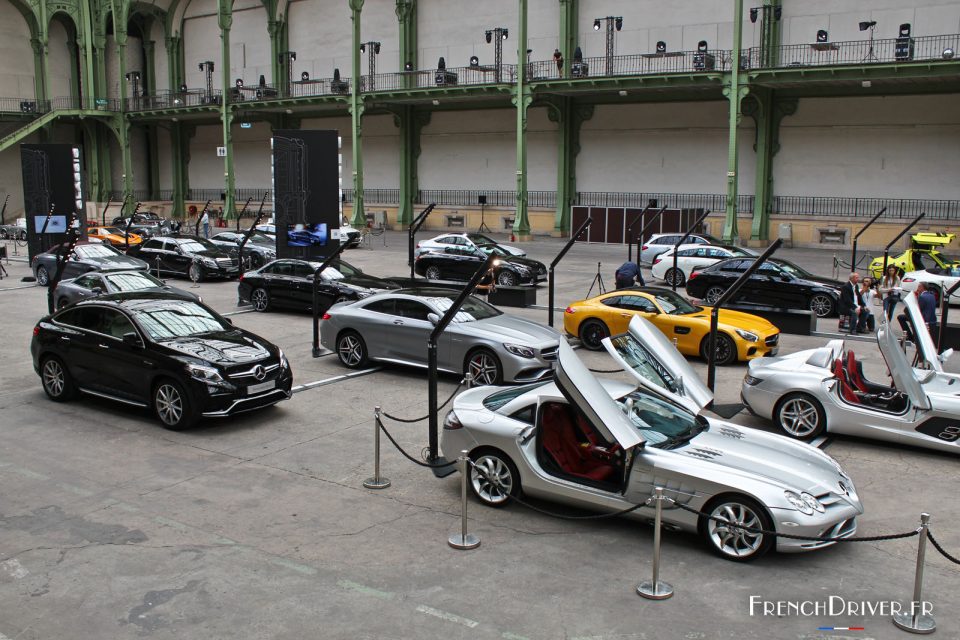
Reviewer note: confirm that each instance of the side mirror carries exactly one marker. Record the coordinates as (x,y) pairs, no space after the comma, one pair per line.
(943,357)
(785,277)
(132,339)
(229,321)
(433,318)
(96,291)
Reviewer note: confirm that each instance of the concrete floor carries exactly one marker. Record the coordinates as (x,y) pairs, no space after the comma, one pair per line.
(258,526)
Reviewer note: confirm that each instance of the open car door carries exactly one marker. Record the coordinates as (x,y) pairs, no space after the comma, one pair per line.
(582,389)
(900,370)
(924,342)
(657,365)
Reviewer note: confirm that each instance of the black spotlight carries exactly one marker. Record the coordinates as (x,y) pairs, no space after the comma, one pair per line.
(376,48)
(753,14)
(305,76)
(822,35)
(866,24)
(661,46)
(903,48)
(777,12)
(183,88)
(578,55)
(652,203)
(363,48)
(702,45)
(618,23)
(702,60)
(489,36)
(505,33)
(596,24)
(336,75)
(441,64)
(408,66)
(474,61)
(239,83)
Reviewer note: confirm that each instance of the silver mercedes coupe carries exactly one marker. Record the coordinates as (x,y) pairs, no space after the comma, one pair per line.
(605,445)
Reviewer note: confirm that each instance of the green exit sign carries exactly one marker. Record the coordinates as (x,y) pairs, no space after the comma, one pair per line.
(102,102)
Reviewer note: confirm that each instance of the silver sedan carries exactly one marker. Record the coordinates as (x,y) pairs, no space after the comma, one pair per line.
(394,327)
(605,445)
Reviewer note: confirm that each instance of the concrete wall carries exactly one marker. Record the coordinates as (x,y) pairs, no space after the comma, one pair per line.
(161,65)
(16,72)
(840,18)
(59,61)
(320,33)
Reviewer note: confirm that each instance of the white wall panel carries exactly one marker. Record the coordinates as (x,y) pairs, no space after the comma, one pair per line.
(250,45)
(455,30)
(161,63)
(59,64)
(840,18)
(320,33)
(16,70)
(201,42)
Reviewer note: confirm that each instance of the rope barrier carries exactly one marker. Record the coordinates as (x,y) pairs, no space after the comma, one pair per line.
(942,551)
(407,455)
(412,420)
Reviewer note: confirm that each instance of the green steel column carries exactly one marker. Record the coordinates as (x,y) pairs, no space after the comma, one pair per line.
(88,81)
(178,157)
(153,160)
(279,78)
(734,93)
(92,153)
(225,18)
(174,76)
(768,112)
(123,125)
(773,37)
(149,67)
(569,18)
(356,112)
(411,122)
(39,46)
(406,11)
(570,118)
(521,99)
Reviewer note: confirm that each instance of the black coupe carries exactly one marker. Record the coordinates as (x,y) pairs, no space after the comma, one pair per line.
(177,357)
(85,257)
(289,283)
(190,256)
(461,262)
(776,283)
(258,251)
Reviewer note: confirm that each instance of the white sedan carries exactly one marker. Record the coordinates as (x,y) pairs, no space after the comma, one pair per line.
(690,258)
(473,240)
(942,281)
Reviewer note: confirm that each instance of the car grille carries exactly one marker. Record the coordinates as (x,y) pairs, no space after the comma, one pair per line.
(246,372)
(549,353)
(840,530)
(226,263)
(773,340)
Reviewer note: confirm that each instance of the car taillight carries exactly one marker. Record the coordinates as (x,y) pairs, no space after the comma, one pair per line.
(325,316)
(692,275)
(569,310)
(240,279)
(657,260)
(452,422)
(36,331)
(644,247)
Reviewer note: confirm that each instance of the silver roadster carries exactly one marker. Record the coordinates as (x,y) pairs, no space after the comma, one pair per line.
(824,390)
(605,445)
(394,327)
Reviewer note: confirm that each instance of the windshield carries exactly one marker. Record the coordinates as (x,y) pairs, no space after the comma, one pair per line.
(261,238)
(113,230)
(329,273)
(642,361)
(675,304)
(495,401)
(473,308)
(177,320)
(479,238)
(96,251)
(348,269)
(133,281)
(792,269)
(196,244)
(661,423)
(494,248)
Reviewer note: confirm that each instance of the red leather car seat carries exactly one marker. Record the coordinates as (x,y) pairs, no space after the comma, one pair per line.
(846,391)
(560,441)
(853,373)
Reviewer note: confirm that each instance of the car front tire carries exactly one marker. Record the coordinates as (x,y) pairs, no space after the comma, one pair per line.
(43,276)
(732,543)
(592,332)
(56,380)
(800,416)
(725,349)
(172,406)
(260,299)
(507,278)
(493,477)
(351,350)
(195,272)
(432,273)
(822,305)
(485,367)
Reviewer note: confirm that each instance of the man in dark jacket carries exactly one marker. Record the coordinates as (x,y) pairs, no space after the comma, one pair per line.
(927,302)
(627,274)
(851,302)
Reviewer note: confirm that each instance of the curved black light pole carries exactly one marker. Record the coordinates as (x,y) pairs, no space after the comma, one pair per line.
(944,312)
(412,231)
(627,233)
(432,358)
(126,231)
(563,252)
(316,296)
(249,232)
(63,254)
(196,227)
(103,214)
(886,249)
(682,240)
(639,238)
(243,211)
(853,253)
(715,311)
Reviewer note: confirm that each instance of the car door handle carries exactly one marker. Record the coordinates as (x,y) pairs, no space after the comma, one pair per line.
(398,322)
(103,346)
(626,315)
(65,338)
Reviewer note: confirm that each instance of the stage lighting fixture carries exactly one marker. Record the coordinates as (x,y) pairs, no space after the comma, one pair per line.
(474,61)
(903,47)
(702,46)
(408,66)
(596,24)
(183,88)
(822,35)
(505,33)
(753,14)
(441,64)
(239,83)
(336,75)
(618,23)
(661,46)
(578,55)
(777,12)
(866,24)
(489,36)
(948,53)
(363,47)
(305,76)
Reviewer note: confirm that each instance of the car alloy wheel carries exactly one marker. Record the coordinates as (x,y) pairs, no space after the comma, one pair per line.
(733,542)
(724,350)
(675,277)
(351,350)
(507,278)
(195,273)
(61,303)
(800,416)
(493,477)
(172,405)
(432,273)
(592,332)
(484,367)
(56,380)
(260,299)
(713,294)
(43,276)
(822,305)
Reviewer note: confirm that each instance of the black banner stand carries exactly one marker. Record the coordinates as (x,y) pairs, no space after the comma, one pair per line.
(556,260)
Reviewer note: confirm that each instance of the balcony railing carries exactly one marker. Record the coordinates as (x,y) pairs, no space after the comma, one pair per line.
(897,208)
(640,64)
(705,201)
(174,100)
(433,78)
(862,52)
(30,106)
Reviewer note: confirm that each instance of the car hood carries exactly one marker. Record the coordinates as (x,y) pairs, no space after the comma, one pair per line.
(731,319)
(777,459)
(533,265)
(368,282)
(223,348)
(108,263)
(510,328)
(820,281)
(210,253)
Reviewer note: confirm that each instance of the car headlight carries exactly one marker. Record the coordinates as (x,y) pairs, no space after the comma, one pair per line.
(519,350)
(284,363)
(209,262)
(747,335)
(750,381)
(204,374)
(804,502)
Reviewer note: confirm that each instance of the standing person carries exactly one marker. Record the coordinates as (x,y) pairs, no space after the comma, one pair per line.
(928,309)
(869,294)
(558,58)
(627,274)
(205,221)
(890,290)
(851,302)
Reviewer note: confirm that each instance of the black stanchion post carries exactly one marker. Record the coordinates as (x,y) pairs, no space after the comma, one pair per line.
(886,249)
(243,211)
(412,231)
(853,253)
(556,260)
(692,228)
(647,225)
(944,312)
(432,356)
(627,233)
(715,311)
(316,296)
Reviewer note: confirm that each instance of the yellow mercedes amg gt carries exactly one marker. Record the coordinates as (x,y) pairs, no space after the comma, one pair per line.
(921,255)
(113,236)
(742,336)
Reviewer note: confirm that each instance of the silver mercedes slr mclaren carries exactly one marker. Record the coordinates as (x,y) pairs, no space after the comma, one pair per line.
(824,390)
(394,327)
(605,445)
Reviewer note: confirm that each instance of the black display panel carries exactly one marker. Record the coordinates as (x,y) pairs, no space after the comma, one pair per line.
(306,187)
(51,181)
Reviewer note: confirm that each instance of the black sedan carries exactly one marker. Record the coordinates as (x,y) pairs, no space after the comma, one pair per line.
(258,251)
(460,263)
(177,357)
(776,283)
(93,284)
(146,224)
(289,284)
(190,256)
(84,258)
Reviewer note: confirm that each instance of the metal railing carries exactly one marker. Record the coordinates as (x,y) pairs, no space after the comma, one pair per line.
(711,201)
(32,106)
(886,50)
(174,100)
(907,208)
(375,196)
(433,78)
(638,64)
